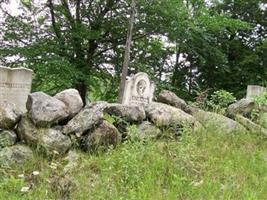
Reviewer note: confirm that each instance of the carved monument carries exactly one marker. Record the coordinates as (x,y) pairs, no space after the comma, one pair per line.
(255,90)
(139,90)
(15,85)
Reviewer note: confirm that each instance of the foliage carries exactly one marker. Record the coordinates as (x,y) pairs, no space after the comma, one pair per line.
(109,118)
(208,165)
(133,134)
(81,43)
(220,100)
(261,100)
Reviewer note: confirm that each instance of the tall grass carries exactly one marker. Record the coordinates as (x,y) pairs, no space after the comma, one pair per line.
(208,165)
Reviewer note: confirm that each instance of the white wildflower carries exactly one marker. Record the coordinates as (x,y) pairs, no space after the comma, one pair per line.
(35,173)
(21,176)
(53,165)
(196,184)
(25,189)
(55,152)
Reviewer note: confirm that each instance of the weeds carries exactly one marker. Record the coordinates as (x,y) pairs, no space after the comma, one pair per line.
(207,165)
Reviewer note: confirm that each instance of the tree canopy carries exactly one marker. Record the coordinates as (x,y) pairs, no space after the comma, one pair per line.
(185,45)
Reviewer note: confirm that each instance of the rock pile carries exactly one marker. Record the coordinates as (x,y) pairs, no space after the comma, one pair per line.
(56,124)
(241,110)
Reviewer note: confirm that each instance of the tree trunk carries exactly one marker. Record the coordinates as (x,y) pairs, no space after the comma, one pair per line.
(177,63)
(190,85)
(127,51)
(82,88)
(190,73)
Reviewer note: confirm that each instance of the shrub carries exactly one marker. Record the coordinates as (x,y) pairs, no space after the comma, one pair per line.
(261,99)
(217,102)
(222,98)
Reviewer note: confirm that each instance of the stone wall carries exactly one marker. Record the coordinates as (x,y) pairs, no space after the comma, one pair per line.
(57,124)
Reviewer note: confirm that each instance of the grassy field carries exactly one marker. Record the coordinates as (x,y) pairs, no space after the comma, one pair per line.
(208,165)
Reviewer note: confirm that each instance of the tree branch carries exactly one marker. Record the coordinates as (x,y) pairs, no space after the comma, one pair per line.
(68,13)
(78,9)
(52,13)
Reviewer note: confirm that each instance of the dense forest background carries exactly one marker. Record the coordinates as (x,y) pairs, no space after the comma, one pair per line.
(187,46)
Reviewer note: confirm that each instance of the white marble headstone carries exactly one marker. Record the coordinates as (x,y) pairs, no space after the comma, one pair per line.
(255,90)
(139,90)
(15,85)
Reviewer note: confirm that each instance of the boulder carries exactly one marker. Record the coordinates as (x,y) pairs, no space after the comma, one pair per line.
(218,122)
(103,136)
(148,130)
(45,110)
(128,113)
(243,107)
(54,141)
(9,115)
(250,125)
(170,98)
(17,154)
(164,115)
(72,100)
(27,131)
(50,139)
(263,119)
(7,138)
(90,116)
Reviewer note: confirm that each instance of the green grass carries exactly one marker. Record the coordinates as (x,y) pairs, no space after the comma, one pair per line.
(207,165)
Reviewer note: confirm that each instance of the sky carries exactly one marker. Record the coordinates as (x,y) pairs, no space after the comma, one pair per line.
(14,4)
(13,7)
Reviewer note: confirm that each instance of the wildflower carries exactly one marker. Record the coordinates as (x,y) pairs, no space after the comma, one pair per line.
(35,173)
(53,165)
(196,184)
(21,176)
(55,152)
(25,189)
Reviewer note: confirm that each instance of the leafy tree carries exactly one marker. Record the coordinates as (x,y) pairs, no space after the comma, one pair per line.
(245,61)
(184,45)
(65,42)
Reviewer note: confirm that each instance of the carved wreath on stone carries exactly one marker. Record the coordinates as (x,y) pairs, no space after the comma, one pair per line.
(141,87)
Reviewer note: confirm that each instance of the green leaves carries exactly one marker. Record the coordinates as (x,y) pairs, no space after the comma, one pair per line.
(26,3)
(183,45)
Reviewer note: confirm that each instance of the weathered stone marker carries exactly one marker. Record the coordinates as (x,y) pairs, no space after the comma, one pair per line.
(15,85)
(255,90)
(139,90)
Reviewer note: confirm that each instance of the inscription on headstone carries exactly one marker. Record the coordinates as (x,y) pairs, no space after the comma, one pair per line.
(139,90)
(255,90)
(15,85)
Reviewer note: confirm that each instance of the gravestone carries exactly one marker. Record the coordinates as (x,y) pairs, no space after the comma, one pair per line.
(139,90)
(15,85)
(255,90)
